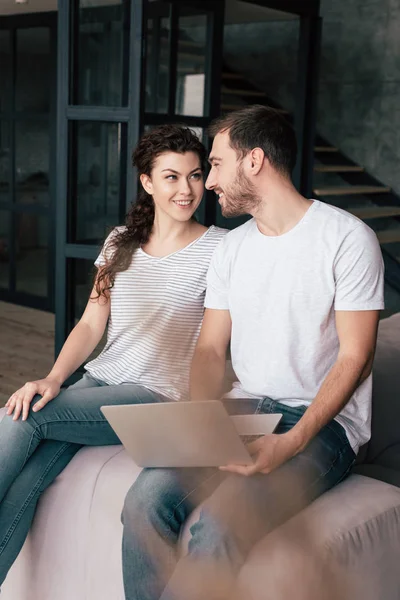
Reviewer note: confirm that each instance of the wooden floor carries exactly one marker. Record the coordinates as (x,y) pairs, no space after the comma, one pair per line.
(26,346)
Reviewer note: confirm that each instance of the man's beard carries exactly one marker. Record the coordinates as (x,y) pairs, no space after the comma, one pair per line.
(241,197)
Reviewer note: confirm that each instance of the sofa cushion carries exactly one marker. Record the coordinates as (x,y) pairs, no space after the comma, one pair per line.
(73,550)
(386,390)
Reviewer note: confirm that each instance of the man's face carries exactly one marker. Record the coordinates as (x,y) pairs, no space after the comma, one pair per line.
(236,193)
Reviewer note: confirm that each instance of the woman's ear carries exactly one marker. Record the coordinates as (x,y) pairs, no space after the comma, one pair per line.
(146,183)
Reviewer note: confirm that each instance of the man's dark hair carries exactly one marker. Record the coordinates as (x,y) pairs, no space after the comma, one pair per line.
(262,127)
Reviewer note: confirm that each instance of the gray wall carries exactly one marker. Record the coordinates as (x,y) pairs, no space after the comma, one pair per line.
(359,91)
(359,99)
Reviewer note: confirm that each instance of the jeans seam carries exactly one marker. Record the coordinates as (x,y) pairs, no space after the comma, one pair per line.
(187,496)
(61,422)
(14,524)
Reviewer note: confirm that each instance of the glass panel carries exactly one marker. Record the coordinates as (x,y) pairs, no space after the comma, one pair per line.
(101,53)
(5,165)
(95,174)
(5,70)
(32,162)
(31,254)
(191,65)
(5,222)
(157,65)
(81,273)
(33,70)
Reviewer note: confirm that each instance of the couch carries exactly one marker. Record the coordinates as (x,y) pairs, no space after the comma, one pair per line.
(346,545)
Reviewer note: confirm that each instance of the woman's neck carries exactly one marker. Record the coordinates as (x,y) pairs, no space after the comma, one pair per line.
(169,236)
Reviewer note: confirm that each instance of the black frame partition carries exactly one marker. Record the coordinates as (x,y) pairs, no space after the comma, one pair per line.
(127,119)
(11,117)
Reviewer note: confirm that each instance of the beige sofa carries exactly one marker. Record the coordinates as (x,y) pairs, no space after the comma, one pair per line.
(345,546)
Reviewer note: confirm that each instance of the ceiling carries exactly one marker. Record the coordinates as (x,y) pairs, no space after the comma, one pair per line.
(236,11)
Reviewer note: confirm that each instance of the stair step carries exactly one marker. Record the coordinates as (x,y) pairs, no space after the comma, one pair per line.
(187,43)
(351,190)
(338,169)
(325,149)
(199,58)
(388,236)
(229,107)
(236,92)
(374,212)
(232,76)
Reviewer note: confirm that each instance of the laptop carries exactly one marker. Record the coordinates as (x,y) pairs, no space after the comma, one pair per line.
(187,434)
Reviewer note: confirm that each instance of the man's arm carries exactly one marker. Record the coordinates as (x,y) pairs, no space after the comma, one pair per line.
(208,365)
(357,331)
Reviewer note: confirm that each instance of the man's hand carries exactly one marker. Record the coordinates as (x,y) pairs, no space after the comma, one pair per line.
(271,451)
(20,401)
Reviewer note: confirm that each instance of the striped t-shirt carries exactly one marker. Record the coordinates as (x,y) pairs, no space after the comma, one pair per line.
(157,307)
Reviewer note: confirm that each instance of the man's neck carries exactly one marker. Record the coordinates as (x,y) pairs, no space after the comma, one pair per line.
(280,210)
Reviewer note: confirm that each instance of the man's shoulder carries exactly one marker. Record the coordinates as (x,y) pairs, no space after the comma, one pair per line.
(333,214)
(340,223)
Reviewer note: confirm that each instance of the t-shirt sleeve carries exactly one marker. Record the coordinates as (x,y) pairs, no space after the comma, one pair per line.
(106,250)
(217,279)
(359,272)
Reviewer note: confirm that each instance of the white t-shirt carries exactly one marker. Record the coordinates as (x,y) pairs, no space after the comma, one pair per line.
(282,293)
(157,307)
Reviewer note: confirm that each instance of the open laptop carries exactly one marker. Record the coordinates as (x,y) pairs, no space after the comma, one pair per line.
(187,434)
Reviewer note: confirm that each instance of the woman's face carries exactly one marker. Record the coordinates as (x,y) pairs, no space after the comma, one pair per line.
(176,184)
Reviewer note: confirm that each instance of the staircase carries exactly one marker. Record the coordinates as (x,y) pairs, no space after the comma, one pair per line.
(340,182)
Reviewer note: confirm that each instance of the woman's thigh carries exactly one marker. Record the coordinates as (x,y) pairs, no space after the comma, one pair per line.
(75,414)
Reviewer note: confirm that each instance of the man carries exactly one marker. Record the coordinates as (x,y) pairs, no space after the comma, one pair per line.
(296,291)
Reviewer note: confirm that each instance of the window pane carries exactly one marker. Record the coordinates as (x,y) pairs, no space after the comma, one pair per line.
(191,64)
(5,222)
(31,254)
(32,162)
(101,53)
(5,165)
(95,175)
(33,70)
(5,70)
(157,65)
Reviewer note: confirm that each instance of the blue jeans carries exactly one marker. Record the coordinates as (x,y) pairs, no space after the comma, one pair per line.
(35,451)
(237,512)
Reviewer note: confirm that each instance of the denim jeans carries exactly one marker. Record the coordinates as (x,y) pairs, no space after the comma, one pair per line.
(35,451)
(237,512)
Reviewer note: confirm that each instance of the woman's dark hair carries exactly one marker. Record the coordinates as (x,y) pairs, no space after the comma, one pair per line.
(140,218)
(262,127)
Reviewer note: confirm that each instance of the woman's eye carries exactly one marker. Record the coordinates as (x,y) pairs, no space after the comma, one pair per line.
(196,176)
(171,177)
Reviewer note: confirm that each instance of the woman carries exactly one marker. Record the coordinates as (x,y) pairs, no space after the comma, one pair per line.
(149,287)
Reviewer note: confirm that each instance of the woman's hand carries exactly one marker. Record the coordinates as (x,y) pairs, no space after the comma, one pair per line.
(48,388)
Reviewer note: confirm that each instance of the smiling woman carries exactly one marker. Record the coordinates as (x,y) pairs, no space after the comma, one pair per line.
(149,290)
